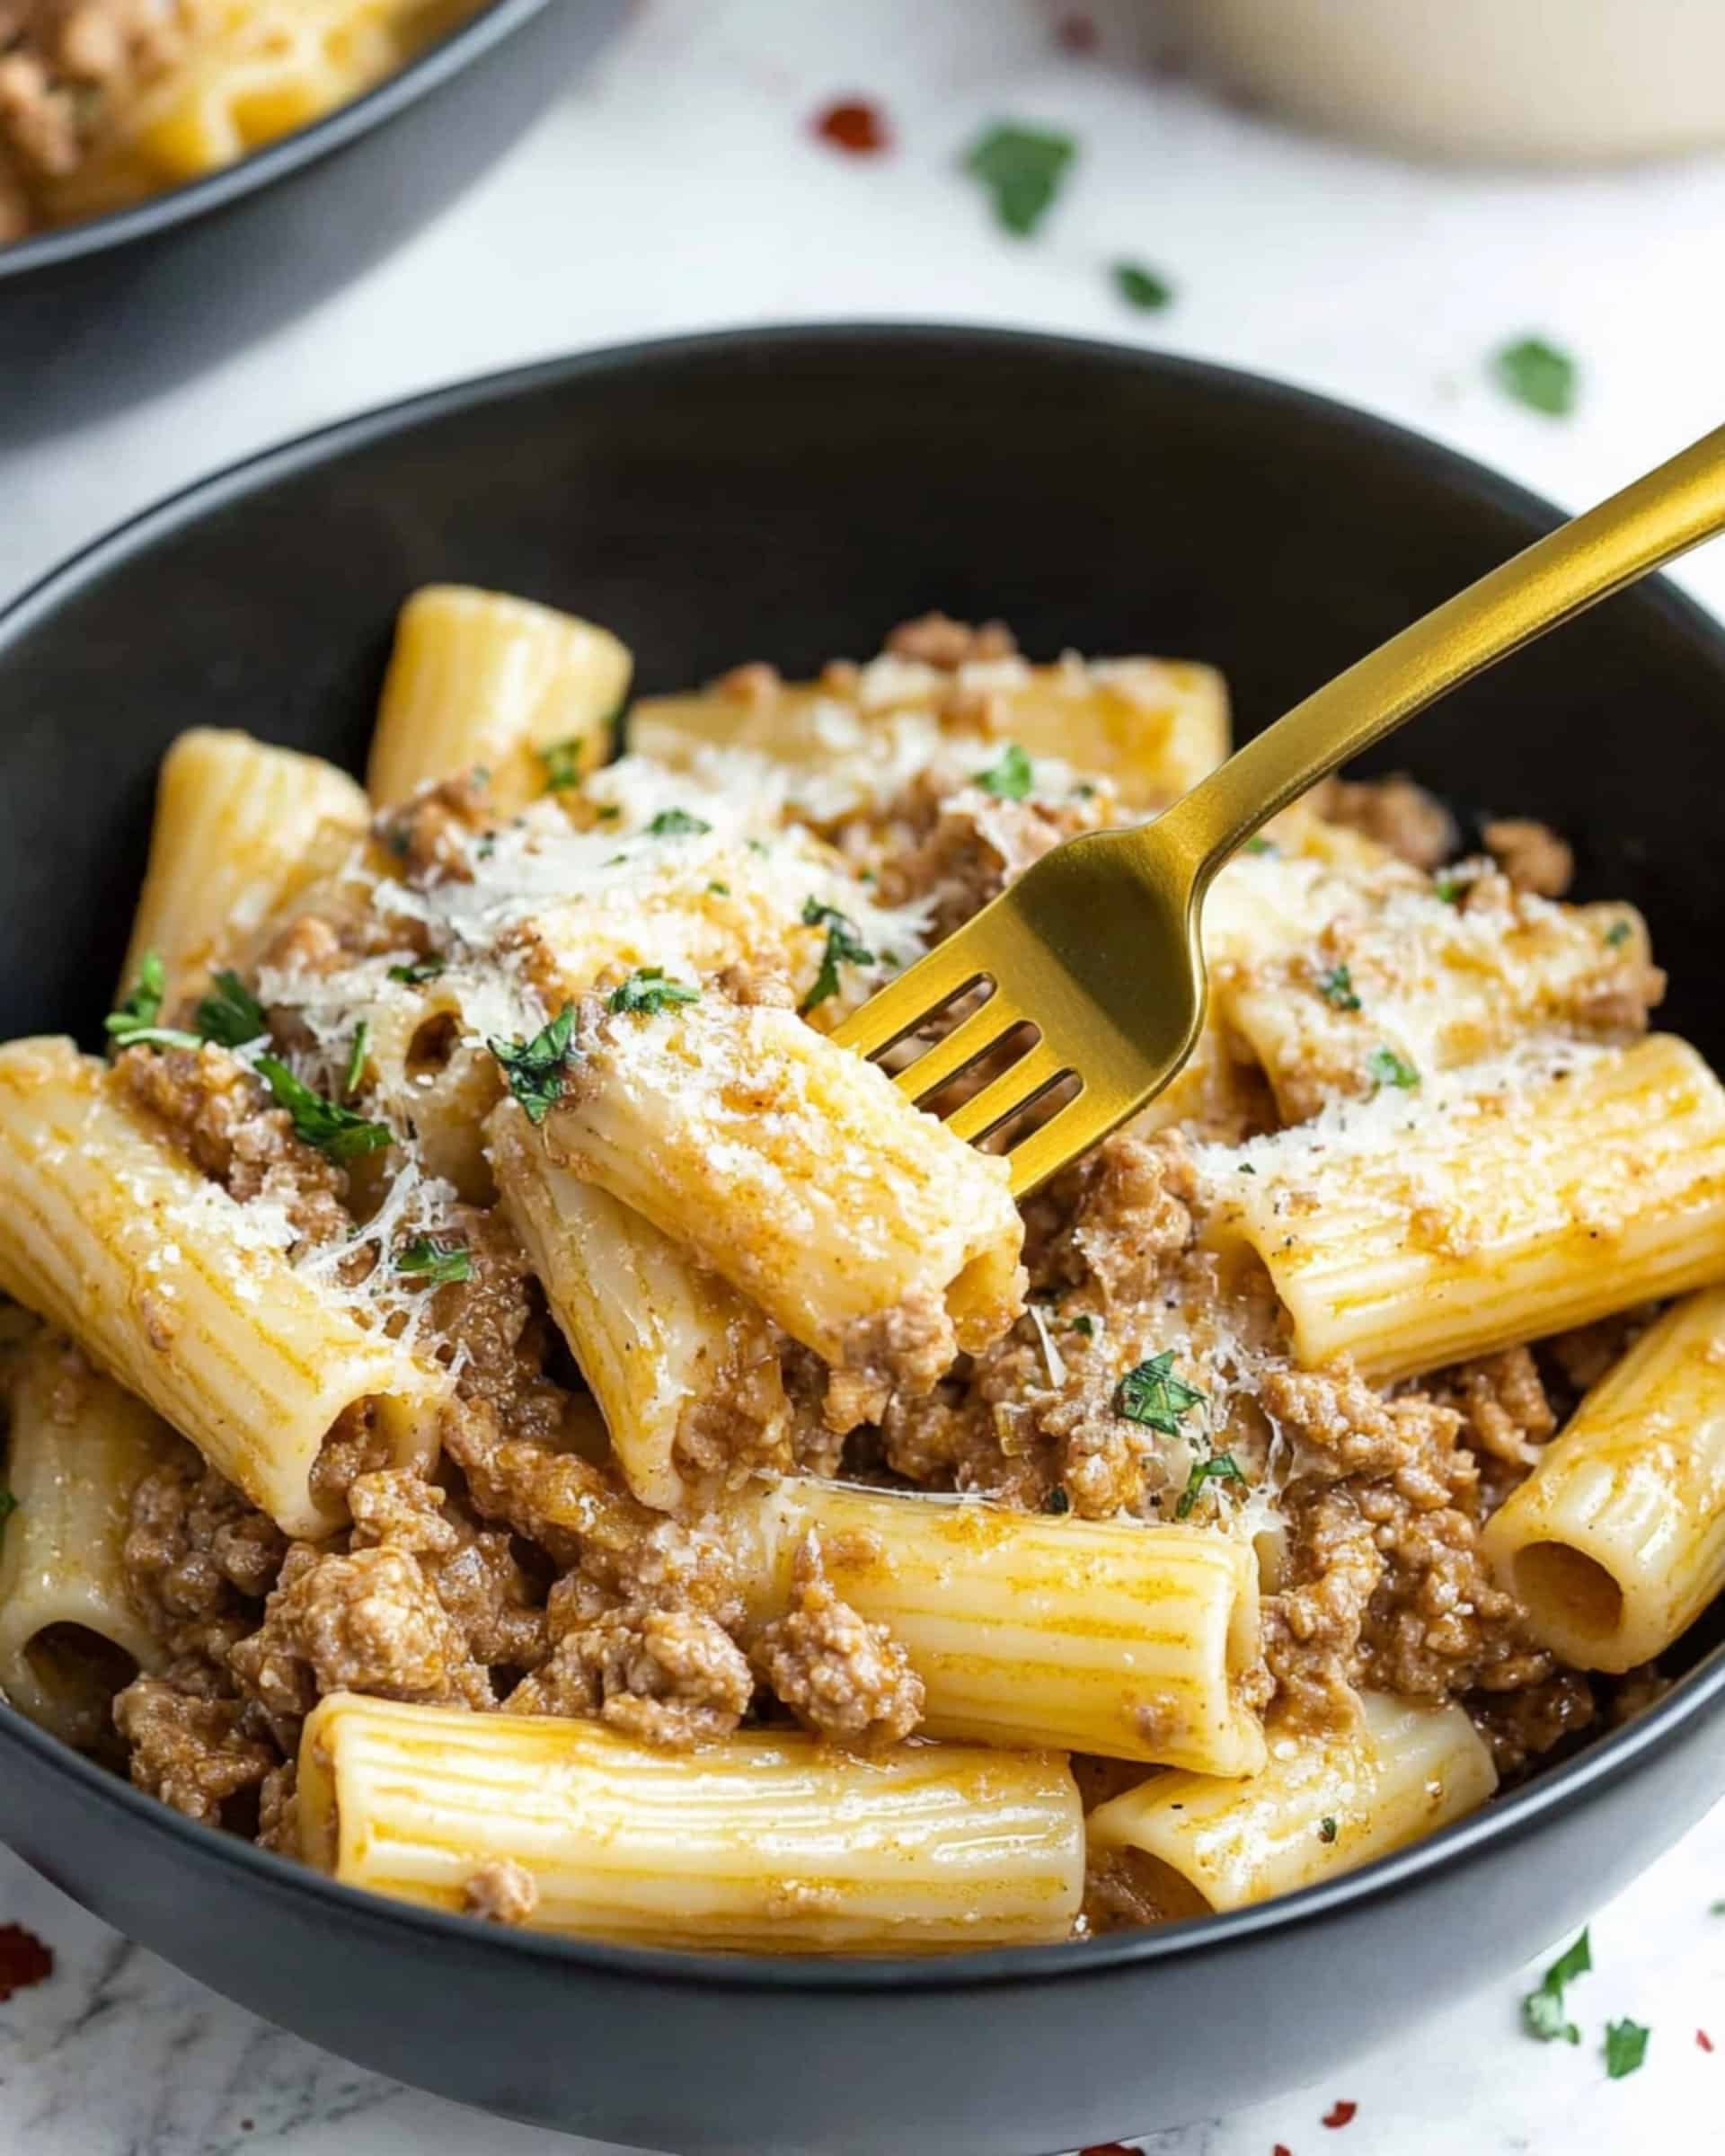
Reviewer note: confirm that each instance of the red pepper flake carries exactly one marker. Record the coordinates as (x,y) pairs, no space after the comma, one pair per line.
(1077,33)
(25,1960)
(1703,2040)
(1281,2148)
(854,126)
(1108,2148)
(1339,2114)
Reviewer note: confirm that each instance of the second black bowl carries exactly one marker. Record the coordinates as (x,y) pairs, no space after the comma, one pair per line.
(790,495)
(103,313)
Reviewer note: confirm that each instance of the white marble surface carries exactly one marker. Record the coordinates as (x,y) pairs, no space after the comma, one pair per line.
(678,188)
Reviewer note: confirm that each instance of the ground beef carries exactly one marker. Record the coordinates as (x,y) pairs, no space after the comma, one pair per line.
(936,640)
(848,1680)
(219,1114)
(906,1348)
(196,1553)
(368,1621)
(1531,855)
(431,835)
(755,684)
(972,845)
(1122,1215)
(192,1753)
(1312,1625)
(1520,1725)
(355,1445)
(278,1809)
(502,1892)
(1501,1399)
(473,1570)
(670,1677)
(1124,1889)
(1413,824)
(1341,1426)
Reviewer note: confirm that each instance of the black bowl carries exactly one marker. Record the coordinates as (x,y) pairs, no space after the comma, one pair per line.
(790,494)
(114,309)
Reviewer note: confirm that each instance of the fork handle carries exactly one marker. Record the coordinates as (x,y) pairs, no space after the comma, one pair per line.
(1652,521)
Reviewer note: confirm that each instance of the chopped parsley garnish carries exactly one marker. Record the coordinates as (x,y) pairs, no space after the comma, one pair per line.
(1153,1395)
(1541,2011)
(1142,288)
(1086,1326)
(718,891)
(334,1130)
(1220,1467)
(676,823)
(440,1263)
(1327,1829)
(420,970)
(142,1006)
(1617,934)
(1022,169)
(1057,1501)
(1538,374)
(357,1058)
(648,992)
(1010,777)
(534,1068)
(1387,1068)
(1336,987)
(1625,2047)
(608,812)
(230,1014)
(1258,845)
(562,763)
(845,947)
(1451,889)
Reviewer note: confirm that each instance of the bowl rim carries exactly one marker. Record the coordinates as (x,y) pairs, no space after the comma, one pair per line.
(446,56)
(1507,1821)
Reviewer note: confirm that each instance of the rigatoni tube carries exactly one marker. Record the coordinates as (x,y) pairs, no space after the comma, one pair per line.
(479,678)
(800,1173)
(1322,1805)
(1616,1542)
(185,1295)
(767,1844)
(1132,1641)
(70,1635)
(1448,1218)
(685,1372)
(239,828)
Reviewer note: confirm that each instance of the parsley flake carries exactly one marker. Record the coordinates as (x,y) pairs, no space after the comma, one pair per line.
(1153,1395)
(1387,1068)
(142,1008)
(676,823)
(334,1130)
(1625,2047)
(562,763)
(419,971)
(1220,1467)
(1336,987)
(718,891)
(1010,777)
(357,1058)
(1057,1501)
(1541,2011)
(845,947)
(1085,1325)
(1617,934)
(1022,168)
(1538,374)
(1451,889)
(648,992)
(1327,1829)
(1258,845)
(534,1068)
(1142,288)
(440,1263)
(230,1014)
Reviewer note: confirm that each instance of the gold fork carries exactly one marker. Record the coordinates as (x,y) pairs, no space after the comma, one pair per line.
(1097,946)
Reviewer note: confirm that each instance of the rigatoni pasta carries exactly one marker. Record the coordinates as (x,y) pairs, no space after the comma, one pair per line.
(1616,1542)
(766,1844)
(648,1478)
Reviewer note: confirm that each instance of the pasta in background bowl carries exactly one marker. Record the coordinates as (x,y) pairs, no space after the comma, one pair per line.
(651,1489)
